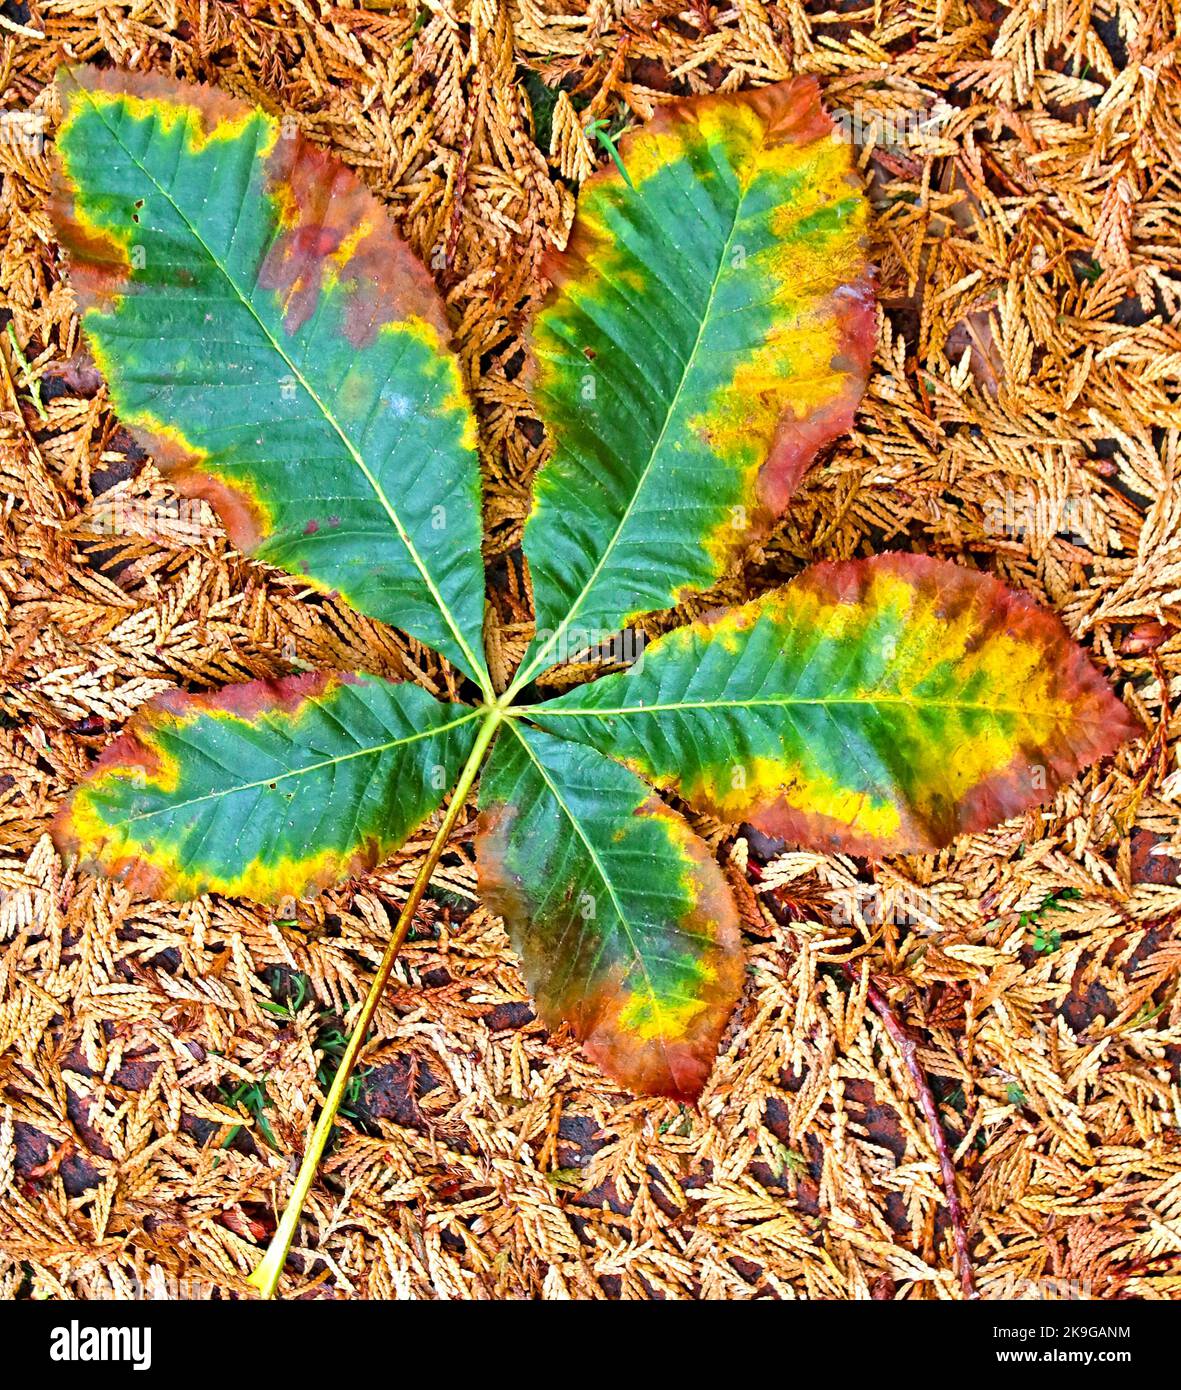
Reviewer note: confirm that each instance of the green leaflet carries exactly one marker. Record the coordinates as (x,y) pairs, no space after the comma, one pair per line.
(624,924)
(268,789)
(873,706)
(276,345)
(708,331)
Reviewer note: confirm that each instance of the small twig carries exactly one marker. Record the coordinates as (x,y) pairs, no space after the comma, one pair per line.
(910,1055)
(32,383)
(23,29)
(599,130)
(908,1047)
(455,224)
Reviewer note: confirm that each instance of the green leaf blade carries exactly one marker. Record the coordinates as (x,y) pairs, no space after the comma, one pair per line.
(872,706)
(276,345)
(623,921)
(268,789)
(707,332)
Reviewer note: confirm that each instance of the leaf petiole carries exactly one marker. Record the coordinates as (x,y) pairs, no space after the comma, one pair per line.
(266,1276)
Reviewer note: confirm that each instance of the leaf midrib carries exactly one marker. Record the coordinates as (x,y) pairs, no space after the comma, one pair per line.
(676,706)
(477,667)
(371,751)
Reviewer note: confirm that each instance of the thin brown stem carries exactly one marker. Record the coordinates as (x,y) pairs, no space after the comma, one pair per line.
(908,1047)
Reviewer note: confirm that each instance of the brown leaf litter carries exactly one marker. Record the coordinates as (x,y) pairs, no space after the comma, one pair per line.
(160,1063)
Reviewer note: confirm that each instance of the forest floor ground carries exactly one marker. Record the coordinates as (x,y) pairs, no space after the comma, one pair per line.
(158,1062)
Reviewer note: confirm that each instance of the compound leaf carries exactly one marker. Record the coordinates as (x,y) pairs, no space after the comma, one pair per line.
(710,327)
(276,345)
(267,789)
(624,924)
(872,706)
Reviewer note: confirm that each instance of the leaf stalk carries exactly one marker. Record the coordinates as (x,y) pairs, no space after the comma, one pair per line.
(265,1277)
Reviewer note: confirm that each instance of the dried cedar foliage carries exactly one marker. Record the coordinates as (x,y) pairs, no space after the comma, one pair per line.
(159,1062)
